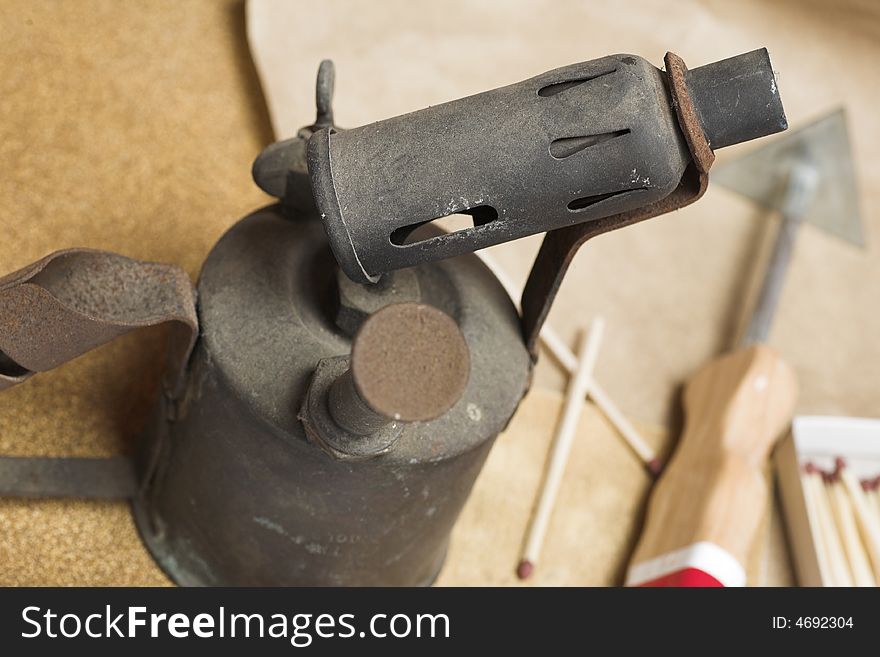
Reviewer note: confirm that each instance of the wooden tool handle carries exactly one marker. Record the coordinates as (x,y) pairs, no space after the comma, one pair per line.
(714,488)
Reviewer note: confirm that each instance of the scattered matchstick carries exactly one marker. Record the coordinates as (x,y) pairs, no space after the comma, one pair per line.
(574,401)
(564,356)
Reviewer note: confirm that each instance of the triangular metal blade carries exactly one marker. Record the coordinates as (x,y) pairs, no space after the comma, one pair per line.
(762,174)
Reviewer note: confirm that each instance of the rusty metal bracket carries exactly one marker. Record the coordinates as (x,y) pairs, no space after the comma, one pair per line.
(560,246)
(59,308)
(74,300)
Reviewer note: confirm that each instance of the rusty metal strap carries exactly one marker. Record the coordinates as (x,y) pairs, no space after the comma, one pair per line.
(560,246)
(65,305)
(75,300)
(93,478)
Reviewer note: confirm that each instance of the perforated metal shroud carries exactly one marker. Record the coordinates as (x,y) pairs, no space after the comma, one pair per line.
(570,145)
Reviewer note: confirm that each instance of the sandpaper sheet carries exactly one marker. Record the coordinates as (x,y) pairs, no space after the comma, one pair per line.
(132,127)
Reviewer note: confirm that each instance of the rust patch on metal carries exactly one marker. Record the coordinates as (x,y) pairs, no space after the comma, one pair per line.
(676,73)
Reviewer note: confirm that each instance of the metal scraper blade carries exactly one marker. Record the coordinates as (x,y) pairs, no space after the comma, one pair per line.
(761,175)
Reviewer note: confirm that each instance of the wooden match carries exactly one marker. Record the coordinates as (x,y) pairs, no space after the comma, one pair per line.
(833,563)
(846,525)
(866,521)
(566,358)
(873,492)
(574,401)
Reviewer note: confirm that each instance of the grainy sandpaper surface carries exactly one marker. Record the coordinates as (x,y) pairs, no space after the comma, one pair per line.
(129,127)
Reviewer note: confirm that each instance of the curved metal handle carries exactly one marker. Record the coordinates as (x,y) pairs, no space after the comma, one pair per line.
(74,300)
(59,308)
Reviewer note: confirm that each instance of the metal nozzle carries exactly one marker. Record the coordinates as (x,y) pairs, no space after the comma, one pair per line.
(737,99)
